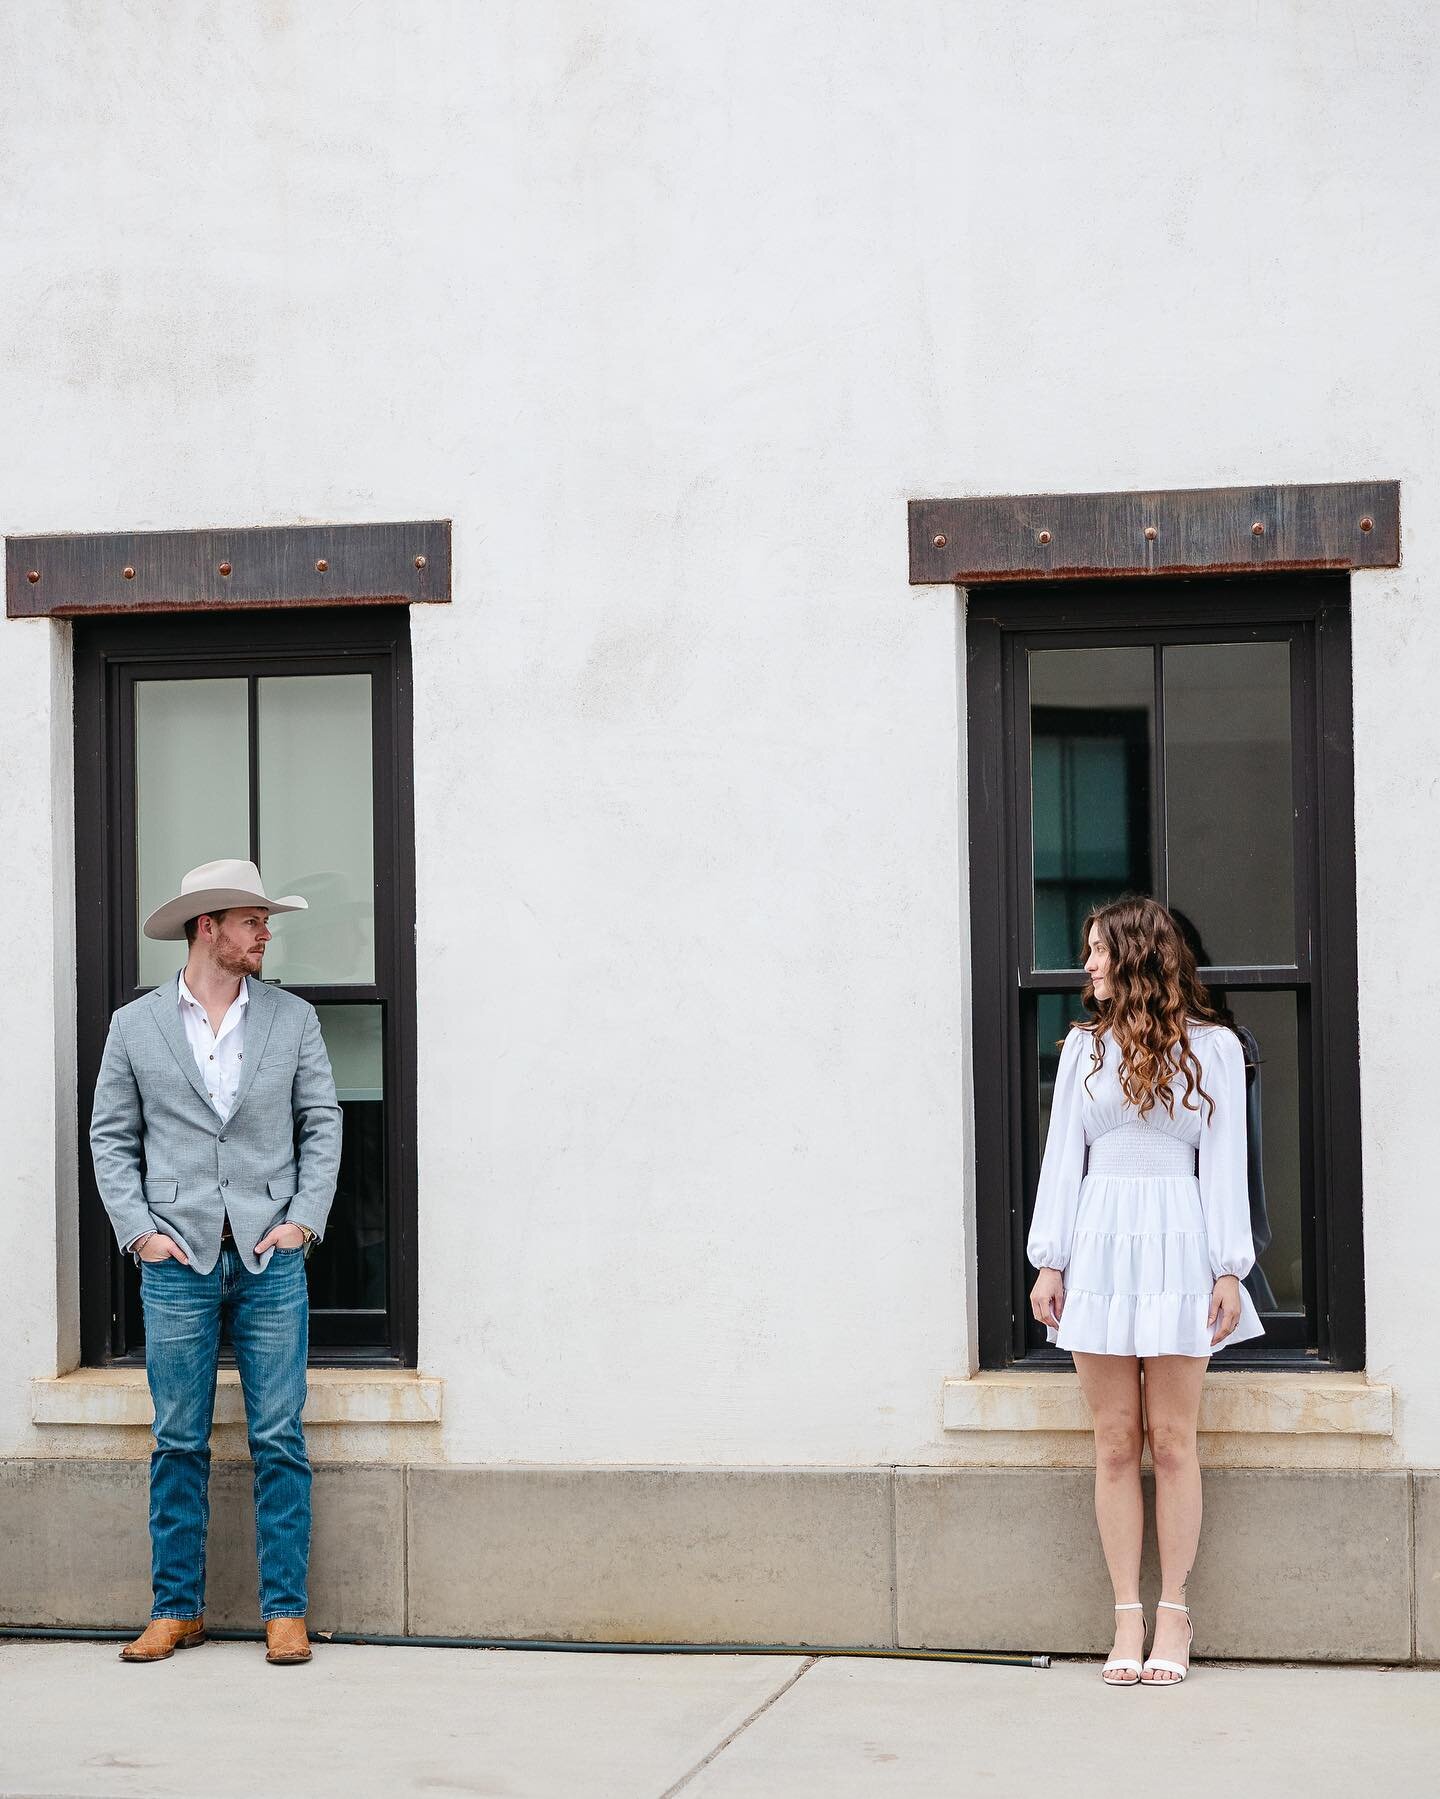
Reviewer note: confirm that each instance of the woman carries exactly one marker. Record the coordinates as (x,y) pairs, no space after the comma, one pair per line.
(1141,1253)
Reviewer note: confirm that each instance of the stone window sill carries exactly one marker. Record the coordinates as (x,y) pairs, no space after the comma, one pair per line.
(346,1396)
(1320,1403)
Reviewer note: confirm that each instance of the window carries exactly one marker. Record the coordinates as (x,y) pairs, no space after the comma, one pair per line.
(285,737)
(1190,740)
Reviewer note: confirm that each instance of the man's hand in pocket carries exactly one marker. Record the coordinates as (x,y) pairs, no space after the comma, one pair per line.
(157,1247)
(283,1236)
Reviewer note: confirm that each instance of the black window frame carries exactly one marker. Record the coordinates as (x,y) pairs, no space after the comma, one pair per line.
(109,654)
(1313,611)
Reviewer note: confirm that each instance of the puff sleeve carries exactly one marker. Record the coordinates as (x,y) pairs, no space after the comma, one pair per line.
(1057,1196)
(1224,1168)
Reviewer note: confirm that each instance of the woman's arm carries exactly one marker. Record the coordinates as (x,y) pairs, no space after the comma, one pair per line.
(1224,1182)
(1057,1196)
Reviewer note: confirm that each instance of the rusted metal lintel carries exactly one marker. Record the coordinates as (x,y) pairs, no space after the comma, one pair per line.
(1202,530)
(193,571)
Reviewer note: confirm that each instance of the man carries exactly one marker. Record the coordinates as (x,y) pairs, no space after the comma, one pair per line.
(216,1140)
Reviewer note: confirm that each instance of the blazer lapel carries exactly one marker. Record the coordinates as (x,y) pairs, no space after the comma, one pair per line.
(259,1016)
(166,1012)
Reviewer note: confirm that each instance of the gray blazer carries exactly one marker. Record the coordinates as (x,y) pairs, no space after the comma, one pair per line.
(164,1160)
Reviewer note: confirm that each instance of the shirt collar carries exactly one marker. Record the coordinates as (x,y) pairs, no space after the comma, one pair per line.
(186,997)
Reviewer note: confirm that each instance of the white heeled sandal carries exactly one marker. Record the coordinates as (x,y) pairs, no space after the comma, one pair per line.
(1124,1663)
(1178,1669)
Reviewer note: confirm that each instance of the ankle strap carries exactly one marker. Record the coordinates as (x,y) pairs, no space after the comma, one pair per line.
(1170,1605)
(1135,1607)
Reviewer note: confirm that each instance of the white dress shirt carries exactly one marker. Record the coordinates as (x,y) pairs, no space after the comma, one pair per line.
(219,1055)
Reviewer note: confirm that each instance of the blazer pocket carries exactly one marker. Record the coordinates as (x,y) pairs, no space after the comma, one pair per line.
(283,1187)
(160,1193)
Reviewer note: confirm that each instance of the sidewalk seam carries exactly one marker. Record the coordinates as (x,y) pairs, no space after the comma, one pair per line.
(740,1728)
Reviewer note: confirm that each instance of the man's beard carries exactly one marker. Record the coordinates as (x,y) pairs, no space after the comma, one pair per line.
(230,960)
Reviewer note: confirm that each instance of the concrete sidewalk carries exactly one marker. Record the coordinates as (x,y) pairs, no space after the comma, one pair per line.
(216,1721)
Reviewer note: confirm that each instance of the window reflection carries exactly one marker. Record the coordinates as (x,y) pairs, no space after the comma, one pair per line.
(182,726)
(1091,732)
(349,1272)
(1229,815)
(316,824)
(1269,1020)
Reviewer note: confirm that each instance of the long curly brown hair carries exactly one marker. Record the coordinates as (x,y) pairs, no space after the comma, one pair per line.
(1155,994)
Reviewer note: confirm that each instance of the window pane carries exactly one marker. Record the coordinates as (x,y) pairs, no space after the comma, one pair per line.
(349,1268)
(192,796)
(1273,1127)
(1230,821)
(1091,733)
(316,824)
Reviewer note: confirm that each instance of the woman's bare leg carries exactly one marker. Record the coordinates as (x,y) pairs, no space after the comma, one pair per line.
(1111,1385)
(1172,1408)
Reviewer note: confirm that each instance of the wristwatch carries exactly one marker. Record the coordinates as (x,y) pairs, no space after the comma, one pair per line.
(310,1240)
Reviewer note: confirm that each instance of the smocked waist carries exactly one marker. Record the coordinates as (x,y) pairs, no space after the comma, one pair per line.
(1134,1151)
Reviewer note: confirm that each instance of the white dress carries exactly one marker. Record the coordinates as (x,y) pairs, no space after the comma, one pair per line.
(1138,1231)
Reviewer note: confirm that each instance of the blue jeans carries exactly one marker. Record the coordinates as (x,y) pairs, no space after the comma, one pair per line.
(269,1319)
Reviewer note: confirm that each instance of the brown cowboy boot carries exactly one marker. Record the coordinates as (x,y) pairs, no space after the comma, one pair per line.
(287,1641)
(161,1637)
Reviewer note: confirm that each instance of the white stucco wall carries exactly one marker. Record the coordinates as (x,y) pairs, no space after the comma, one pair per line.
(39,1312)
(671,309)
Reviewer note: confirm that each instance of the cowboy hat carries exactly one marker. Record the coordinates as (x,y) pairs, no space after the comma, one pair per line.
(213,887)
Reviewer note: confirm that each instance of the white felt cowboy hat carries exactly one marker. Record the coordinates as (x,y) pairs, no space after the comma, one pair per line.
(214,887)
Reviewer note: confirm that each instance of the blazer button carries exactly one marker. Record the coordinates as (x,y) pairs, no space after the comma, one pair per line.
(222,1136)
(226,1181)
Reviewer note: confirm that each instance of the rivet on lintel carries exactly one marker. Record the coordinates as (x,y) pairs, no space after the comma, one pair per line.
(128,573)
(321,566)
(1044,537)
(1151,533)
(33,576)
(224,568)
(419,562)
(939,540)
(1257,529)
(1367,524)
